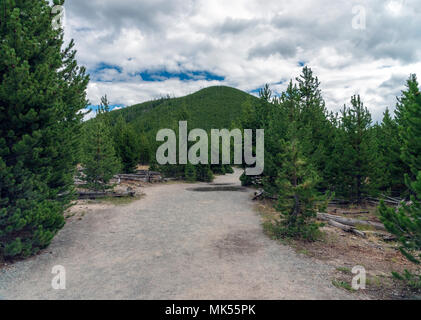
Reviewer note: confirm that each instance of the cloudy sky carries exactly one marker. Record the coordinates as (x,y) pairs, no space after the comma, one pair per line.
(136,50)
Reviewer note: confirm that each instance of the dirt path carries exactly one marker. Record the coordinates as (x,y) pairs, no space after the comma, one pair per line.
(172,244)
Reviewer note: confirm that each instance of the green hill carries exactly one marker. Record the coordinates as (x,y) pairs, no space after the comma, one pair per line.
(209,108)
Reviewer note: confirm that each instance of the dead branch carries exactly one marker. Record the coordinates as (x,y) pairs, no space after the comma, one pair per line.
(346,228)
(351,222)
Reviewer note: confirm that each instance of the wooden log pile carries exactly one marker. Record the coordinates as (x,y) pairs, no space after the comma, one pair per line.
(141,176)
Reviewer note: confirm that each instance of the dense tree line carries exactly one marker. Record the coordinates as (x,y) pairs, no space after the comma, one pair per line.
(311,153)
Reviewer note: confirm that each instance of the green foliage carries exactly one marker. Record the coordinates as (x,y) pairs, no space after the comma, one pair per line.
(413,281)
(190,173)
(99,161)
(298,199)
(405,222)
(204,173)
(144,149)
(209,108)
(42,91)
(411,128)
(126,145)
(228,169)
(391,168)
(358,158)
(342,285)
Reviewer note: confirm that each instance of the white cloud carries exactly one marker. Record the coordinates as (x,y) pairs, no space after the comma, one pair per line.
(248,43)
(88,115)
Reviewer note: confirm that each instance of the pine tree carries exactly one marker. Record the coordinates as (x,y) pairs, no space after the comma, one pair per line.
(315,132)
(407,97)
(333,171)
(99,161)
(204,173)
(42,93)
(405,222)
(145,154)
(358,158)
(392,168)
(190,173)
(284,112)
(298,200)
(126,145)
(411,129)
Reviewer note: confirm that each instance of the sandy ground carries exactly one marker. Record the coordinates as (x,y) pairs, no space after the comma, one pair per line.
(173,243)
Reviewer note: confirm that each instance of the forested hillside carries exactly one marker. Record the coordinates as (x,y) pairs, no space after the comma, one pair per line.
(209,108)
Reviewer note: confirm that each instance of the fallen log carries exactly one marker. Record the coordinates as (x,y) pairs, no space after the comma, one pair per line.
(258,195)
(346,228)
(351,222)
(354,212)
(389,238)
(377,201)
(92,195)
(393,199)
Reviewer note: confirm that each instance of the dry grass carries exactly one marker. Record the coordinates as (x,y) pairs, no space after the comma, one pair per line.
(345,251)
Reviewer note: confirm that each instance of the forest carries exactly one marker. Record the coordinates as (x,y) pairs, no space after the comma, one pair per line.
(312,155)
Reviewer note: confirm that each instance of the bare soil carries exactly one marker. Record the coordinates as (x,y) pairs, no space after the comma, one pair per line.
(344,251)
(172,243)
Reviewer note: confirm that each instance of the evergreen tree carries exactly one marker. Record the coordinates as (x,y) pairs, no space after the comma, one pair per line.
(314,129)
(392,168)
(204,173)
(407,98)
(298,201)
(145,154)
(42,93)
(405,222)
(332,173)
(104,106)
(190,173)
(358,159)
(126,145)
(99,161)
(411,129)
(283,113)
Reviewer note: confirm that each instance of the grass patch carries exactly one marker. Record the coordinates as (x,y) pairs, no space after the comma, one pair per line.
(374,281)
(362,227)
(343,285)
(304,252)
(344,270)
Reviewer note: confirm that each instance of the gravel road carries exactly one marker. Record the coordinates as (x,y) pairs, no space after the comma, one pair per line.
(174,243)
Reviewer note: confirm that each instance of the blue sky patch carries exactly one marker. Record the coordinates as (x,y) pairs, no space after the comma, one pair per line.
(112,107)
(162,75)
